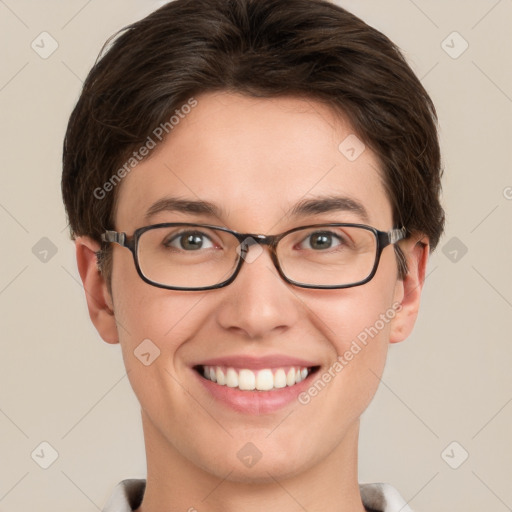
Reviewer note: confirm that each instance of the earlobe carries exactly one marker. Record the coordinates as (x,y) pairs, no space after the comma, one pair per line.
(408,290)
(99,300)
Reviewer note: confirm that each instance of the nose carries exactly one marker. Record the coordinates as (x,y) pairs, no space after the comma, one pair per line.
(258,302)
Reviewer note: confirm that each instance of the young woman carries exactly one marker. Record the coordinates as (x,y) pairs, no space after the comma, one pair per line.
(253,190)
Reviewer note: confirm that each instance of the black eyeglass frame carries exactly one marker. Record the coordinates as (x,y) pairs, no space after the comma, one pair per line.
(245,240)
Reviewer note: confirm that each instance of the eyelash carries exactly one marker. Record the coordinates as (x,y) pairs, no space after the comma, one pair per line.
(177,236)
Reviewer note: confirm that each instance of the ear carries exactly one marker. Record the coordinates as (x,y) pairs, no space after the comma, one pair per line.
(99,300)
(408,291)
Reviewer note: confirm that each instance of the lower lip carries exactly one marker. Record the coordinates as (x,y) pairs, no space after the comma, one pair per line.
(254,402)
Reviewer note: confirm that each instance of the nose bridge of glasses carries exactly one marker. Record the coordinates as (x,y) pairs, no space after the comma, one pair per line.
(256,241)
(250,240)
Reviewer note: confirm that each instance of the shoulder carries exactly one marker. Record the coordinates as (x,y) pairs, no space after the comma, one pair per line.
(382,497)
(126,496)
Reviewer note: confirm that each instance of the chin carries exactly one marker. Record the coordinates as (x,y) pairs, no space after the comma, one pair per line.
(262,472)
(244,462)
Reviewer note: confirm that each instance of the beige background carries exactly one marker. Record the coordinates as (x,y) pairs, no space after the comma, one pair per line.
(451,381)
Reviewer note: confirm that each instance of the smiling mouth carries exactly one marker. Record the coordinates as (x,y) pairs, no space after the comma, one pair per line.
(265,379)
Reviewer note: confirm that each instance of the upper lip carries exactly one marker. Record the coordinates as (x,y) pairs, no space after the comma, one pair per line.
(257,363)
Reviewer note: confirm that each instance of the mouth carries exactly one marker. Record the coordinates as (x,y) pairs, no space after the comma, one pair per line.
(262,379)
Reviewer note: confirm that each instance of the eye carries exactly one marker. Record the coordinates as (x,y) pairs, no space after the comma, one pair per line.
(189,241)
(321,240)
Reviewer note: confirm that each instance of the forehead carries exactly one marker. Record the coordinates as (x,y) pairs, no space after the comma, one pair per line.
(254,159)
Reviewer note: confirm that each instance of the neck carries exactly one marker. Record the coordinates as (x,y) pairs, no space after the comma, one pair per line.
(175,483)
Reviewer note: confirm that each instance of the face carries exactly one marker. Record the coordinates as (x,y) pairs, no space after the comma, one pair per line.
(254,160)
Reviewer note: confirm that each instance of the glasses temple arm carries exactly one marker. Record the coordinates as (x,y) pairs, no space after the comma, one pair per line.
(395,235)
(115,237)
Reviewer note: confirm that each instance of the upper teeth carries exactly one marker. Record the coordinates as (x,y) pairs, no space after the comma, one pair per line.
(248,380)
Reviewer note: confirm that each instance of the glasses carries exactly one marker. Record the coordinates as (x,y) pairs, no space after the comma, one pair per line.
(185,256)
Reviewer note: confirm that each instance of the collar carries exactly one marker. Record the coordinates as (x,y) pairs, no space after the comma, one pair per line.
(379,497)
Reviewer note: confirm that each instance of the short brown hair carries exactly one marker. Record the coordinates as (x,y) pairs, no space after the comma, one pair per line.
(263,48)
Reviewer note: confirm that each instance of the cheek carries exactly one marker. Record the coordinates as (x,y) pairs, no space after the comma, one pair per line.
(154,326)
(355,324)
(168,321)
(354,317)
(358,332)
(144,311)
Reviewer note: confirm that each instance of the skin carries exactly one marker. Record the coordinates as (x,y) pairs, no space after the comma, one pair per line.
(254,158)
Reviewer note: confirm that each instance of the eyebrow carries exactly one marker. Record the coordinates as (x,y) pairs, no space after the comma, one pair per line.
(303,208)
(329,204)
(173,204)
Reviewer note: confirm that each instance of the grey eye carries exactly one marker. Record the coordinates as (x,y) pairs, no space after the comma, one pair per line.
(321,240)
(190,241)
